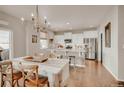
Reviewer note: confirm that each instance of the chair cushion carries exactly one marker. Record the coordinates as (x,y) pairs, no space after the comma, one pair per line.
(42,79)
(17,74)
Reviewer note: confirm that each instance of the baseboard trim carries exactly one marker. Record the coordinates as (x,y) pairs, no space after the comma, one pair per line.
(120,80)
(78,65)
(99,60)
(111,72)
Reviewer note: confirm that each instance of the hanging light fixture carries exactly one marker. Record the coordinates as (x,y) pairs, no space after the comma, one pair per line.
(39,25)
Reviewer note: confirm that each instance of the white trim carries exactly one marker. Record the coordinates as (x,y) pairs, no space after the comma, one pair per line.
(80,65)
(11,44)
(116,77)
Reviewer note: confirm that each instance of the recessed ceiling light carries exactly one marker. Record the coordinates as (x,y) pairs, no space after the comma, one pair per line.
(32,14)
(91,26)
(48,23)
(22,19)
(67,23)
(45,17)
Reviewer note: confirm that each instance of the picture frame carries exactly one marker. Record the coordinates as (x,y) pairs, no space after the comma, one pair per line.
(34,38)
(108,35)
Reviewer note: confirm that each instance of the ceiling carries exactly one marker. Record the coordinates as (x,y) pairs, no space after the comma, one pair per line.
(62,17)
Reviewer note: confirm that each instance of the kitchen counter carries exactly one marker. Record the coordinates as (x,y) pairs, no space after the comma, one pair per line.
(78,55)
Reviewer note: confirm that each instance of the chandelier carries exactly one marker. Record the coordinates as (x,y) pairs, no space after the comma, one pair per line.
(39,25)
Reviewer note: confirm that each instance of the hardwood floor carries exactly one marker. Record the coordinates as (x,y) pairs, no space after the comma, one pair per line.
(93,75)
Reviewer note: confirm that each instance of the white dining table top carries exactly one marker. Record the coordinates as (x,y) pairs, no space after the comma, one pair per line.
(53,65)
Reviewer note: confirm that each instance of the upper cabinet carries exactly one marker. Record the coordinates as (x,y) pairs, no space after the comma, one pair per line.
(50,35)
(68,35)
(90,34)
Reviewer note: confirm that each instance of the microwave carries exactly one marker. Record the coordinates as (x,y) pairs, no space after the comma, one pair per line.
(68,40)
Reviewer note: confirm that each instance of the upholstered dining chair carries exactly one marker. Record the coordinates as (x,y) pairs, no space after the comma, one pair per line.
(8,75)
(31,78)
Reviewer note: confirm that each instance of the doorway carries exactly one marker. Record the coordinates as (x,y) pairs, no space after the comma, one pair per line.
(101,47)
(6,49)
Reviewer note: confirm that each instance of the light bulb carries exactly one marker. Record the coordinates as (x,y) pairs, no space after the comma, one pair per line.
(22,19)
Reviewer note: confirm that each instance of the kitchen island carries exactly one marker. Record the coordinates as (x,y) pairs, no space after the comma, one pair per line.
(77,56)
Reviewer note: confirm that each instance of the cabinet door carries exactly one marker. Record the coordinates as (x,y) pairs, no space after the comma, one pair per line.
(86,40)
(68,35)
(90,44)
(86,43)
(92,48)
(50,35)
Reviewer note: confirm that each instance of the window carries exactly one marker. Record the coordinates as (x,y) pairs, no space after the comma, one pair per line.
(43,40)
(4,39)
(44,43)
(5,45)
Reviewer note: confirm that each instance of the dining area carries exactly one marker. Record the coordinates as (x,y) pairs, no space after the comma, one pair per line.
(34,71)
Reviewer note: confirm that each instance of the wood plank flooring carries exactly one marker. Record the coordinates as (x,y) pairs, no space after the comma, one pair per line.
(93,75)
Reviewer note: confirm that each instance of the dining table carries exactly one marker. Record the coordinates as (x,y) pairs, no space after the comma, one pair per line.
(57,70)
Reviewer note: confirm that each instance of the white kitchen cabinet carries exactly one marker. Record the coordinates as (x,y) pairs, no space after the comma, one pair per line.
(90,46)
(68,35)
(59,39)
(51,35)
(77,39)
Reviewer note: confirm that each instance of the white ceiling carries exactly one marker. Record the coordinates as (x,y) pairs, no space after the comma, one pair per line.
(79,16)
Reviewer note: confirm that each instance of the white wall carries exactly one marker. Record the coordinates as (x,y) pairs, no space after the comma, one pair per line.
(113,58)
(121,43)
(31,48)
(15,25)
(110,55)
